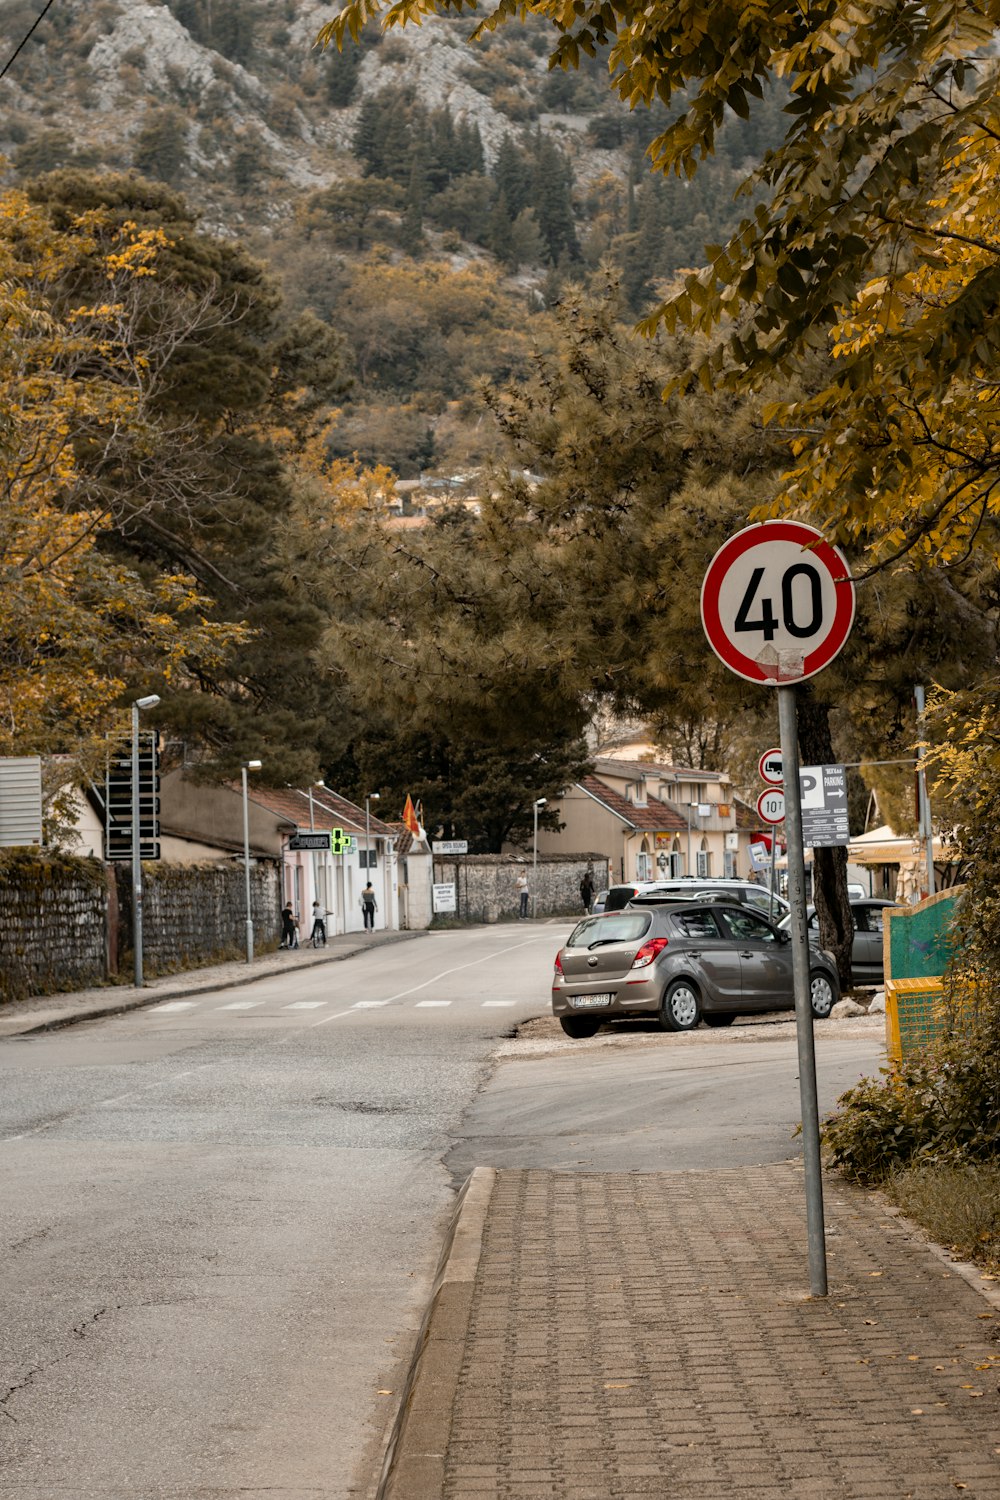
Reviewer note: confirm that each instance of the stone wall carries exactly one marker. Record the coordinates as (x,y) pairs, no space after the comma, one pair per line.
(486,884)
(196,914)
(53,923)
(66,923)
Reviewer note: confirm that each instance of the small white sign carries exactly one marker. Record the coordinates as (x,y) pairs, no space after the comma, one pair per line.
(450,846)
(769,767)
(760,856)
(443,898)
(771,805)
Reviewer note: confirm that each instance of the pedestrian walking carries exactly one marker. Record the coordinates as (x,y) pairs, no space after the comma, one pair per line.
(369,906)
(289,928)
(522,891)
(587,889)
(318,935)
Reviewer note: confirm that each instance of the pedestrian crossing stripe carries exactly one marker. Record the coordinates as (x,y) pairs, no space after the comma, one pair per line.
(174,1006)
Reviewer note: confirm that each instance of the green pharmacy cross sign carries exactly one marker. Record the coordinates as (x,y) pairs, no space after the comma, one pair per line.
(327,841)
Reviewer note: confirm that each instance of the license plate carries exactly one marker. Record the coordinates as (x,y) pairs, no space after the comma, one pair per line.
(591,1002)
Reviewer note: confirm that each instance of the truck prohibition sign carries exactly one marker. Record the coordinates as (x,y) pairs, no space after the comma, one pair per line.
(777,602)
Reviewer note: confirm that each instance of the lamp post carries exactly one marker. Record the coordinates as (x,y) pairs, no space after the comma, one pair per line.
(139,703)
(370,797)
(248,765)
(541,801)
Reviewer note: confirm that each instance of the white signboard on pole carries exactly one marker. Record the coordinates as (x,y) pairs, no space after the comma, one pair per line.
(777,602)
(771,805)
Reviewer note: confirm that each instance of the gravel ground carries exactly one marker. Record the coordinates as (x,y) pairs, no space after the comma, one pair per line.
(544,1036)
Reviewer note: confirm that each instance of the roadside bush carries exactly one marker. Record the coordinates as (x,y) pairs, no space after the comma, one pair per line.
(958,1205)
(941,1106)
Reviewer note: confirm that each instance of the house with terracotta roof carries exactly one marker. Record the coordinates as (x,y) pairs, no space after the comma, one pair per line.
(202,822)
(654,821)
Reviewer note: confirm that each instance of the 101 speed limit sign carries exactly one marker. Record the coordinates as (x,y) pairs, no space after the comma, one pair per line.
(777,602)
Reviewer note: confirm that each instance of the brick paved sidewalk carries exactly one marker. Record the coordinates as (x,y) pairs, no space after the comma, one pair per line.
(597,1337)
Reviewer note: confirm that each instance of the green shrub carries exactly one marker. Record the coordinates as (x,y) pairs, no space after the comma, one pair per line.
(940,1106)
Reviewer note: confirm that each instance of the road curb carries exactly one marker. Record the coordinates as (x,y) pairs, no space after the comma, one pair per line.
(414,1459)
(154,996)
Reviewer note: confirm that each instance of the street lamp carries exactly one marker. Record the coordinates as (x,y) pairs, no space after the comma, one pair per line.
(149,702)
(248,765)
(370,797)
(534,857)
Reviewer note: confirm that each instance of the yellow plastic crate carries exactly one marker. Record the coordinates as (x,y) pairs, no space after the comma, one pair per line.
(915,1014)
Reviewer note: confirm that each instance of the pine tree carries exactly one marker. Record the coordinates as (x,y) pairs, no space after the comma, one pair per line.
(511,173)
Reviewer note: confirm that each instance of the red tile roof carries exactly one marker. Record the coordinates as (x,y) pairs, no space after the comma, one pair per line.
(655,816)
(329,809)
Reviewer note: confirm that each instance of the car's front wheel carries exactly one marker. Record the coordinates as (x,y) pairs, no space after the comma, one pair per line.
(681,1008)
(579,1027)
(822,995)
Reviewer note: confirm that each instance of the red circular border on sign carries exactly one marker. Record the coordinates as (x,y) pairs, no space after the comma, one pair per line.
(770,792)
(824,552)
(760,768)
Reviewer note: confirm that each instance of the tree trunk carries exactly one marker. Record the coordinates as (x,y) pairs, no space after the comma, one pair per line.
(833,907)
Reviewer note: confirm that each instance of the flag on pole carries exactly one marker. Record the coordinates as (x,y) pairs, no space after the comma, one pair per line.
(410,817)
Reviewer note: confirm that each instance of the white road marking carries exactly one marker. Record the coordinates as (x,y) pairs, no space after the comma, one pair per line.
(173,1005)
(495,1004)
(305,1005)
(429,1003)
(240,1005)
(498,953)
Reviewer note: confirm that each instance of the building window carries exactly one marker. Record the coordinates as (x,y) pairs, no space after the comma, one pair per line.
(729,865)
(703,862)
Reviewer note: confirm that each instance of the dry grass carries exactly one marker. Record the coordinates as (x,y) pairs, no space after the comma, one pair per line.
(958,1206)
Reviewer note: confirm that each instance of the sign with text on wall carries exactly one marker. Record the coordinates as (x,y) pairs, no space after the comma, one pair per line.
(443,898)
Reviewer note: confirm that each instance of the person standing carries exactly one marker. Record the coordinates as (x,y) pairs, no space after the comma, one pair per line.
(318,935)
(587,889)
(522,891)
(289,933)
(369,906)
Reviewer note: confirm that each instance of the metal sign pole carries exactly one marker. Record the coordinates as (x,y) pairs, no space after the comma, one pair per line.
(787,722)
(770,898)
(923,801)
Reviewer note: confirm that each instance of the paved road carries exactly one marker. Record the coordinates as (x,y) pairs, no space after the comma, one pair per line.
(222,1217)
(641,1101)
(223,1213)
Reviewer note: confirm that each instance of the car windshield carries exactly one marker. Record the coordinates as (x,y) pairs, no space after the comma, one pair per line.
(613,927)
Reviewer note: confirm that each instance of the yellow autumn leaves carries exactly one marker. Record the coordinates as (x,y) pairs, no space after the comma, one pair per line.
(75,622)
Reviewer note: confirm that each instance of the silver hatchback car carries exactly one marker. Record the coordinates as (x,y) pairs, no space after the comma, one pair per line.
(682,963)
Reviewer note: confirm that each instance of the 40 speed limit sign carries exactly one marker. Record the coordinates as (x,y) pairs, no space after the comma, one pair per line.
(777,602)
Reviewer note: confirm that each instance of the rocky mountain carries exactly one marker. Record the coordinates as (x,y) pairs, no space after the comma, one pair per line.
(231,101)
(425,197)
(219,96)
